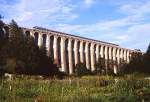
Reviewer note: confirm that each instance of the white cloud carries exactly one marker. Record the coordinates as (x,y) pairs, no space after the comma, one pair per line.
(88,3)
(122,37)
(25,16)
(131,31)
(138,10)
(40,12)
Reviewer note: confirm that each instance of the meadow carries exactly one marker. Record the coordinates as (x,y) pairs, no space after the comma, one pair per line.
(127,88)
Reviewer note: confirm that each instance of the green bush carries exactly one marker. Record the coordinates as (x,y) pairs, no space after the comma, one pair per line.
(10,65)
(100,66)
(81,69)
(2,71)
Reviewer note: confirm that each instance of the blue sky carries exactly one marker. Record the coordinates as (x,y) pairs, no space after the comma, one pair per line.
(124,22)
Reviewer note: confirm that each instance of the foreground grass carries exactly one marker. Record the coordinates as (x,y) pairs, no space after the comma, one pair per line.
(85,89)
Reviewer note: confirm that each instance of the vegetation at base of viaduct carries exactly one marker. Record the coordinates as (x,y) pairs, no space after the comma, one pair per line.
(20,55)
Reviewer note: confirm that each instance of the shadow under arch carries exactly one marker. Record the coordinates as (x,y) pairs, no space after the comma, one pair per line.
(51,53)
(36,36)
(44,36)
(78,48)
(67,56)
(59,51)
(89,51)
(27,33)
(84,52)
(94,54)
(6,31)
(73,57)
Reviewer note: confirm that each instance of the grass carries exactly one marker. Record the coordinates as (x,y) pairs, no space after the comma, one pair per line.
(129,88)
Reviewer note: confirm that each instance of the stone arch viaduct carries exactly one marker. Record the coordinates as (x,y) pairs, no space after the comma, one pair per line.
(68,50)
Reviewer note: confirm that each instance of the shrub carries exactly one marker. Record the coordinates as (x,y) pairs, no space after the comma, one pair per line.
(81,70)
(10,65)
(2,71)
(100,66)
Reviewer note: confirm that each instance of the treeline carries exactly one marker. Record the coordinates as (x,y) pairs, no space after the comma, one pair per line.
(20,55)
(140,63)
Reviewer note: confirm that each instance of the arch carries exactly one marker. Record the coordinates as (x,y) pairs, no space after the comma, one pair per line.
(70,56)
(114,60)
(110,53)
(55,50)
(87,55)
(121,55)
(120,52)
(44,36)
(81,50)
(27,33)
(67,56)
(59,51)
(36,36)
(92,48)
(101,51)
(110,59)
(118,57)
(63,55)
(76,52)
(94,54)
(73,57)
(84,52)
(97,52)
(51,47)
(106,57)
(107,53)
(6,31)
(89,51)
(125,55)
(128,56)
(78,47)
(116,54)
(48,45)
(104,51)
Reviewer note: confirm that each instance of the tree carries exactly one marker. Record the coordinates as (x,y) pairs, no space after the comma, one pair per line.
(46,66)
(25,57)
(147,60)
(1,33)
(136,64)
(1,28)
(148,51)
(100,65)
(12,51)
(81,70)
(139,63)
(2,43)
(20,54)
(31,55)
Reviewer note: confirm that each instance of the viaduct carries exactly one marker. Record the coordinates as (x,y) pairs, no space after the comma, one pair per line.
(68,50)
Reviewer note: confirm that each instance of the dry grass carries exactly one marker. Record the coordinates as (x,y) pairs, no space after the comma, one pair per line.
(85,89)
